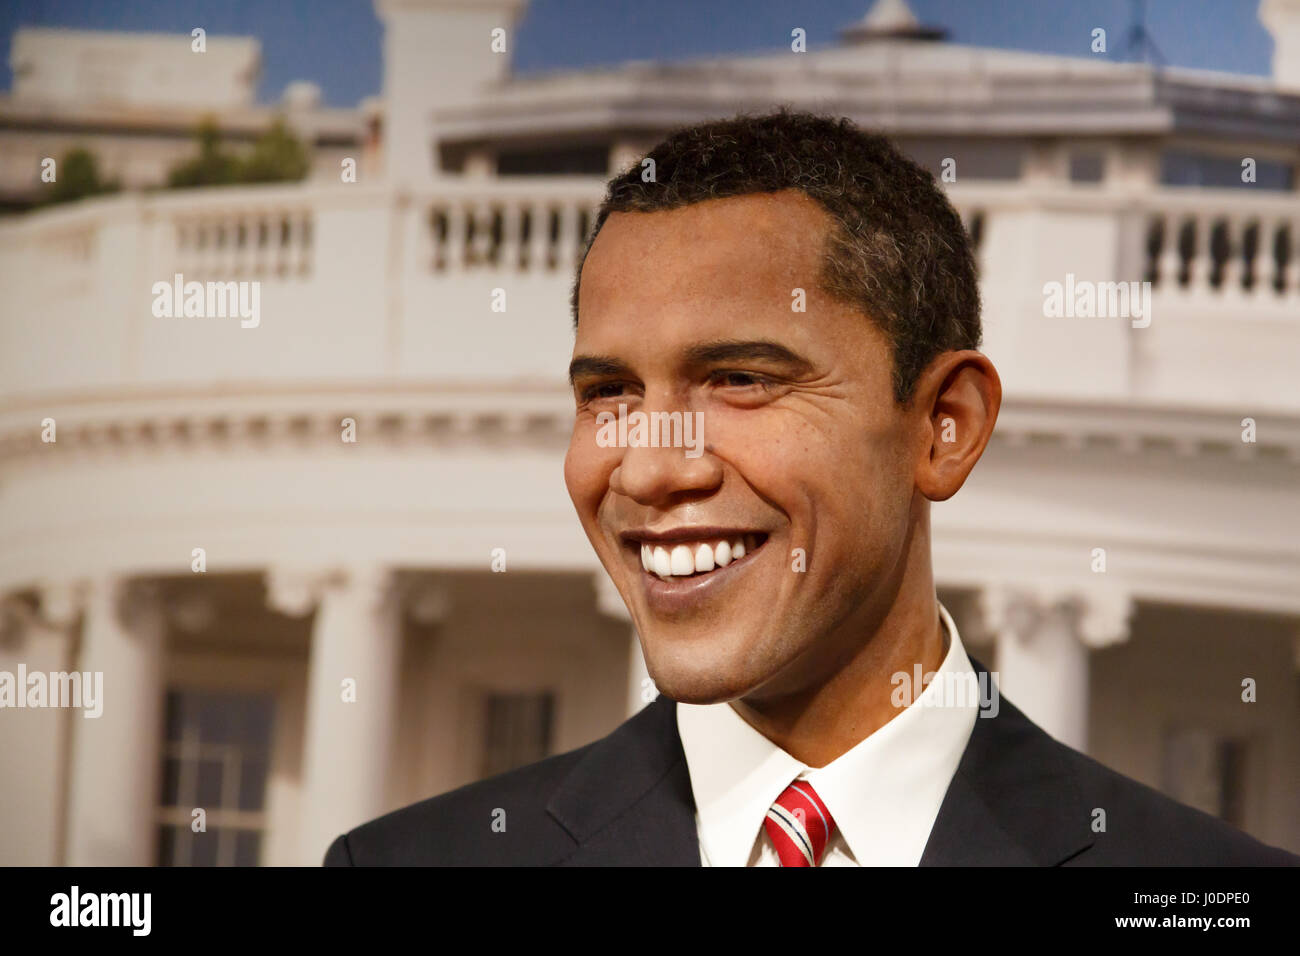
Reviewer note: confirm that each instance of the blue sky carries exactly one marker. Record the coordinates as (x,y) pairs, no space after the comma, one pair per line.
(336,43)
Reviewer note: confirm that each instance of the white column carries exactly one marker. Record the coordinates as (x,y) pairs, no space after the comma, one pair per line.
(436,53)
(640,688)
(1044,636)
(1282,19)
(33,754)
(116,757)
(351,696)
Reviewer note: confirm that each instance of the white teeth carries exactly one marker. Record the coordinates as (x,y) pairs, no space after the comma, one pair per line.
(703,558)
(683,560)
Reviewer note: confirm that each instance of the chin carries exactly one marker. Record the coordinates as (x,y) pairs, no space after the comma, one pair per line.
(697,689)
(693,678)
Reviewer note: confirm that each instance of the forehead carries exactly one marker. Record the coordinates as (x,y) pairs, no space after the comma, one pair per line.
(721,255)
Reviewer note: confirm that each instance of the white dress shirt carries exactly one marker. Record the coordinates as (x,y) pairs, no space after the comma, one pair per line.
(884,793)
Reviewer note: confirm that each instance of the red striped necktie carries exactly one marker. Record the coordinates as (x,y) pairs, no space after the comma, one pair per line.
(800,825)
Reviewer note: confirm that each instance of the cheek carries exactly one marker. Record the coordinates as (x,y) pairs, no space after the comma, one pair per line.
(579,476)
(882,502)
(851,494)
(783,459)
(587,467)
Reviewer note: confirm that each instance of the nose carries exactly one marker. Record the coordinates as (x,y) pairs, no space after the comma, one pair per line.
(658,477)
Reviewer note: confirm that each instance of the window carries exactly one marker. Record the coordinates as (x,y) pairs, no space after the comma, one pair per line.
(560,161)
(215,757)
(518,731)
(1087,167)
(996,160)
(1220,172)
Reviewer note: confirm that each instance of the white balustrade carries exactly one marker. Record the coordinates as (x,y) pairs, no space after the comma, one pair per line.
(328,257)
(1212,246)
(529,226)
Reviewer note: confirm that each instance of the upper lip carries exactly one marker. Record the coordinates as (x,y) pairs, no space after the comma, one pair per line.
(695,533)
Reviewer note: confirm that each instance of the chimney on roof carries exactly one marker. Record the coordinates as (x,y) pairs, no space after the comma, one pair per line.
(890,20)
(437,53)
(301,95)
(1282,19)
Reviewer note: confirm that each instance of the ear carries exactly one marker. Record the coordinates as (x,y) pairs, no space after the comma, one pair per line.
(958,397)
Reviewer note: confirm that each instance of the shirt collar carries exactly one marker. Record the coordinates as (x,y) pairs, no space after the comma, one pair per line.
(884,793)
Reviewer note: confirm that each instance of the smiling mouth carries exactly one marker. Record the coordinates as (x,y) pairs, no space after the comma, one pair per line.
(675,560)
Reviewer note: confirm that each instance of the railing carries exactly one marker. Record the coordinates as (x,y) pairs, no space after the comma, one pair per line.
(1194,242)
(244,243)
(509,225)
(1231,245)
(1200,245)
(367,281)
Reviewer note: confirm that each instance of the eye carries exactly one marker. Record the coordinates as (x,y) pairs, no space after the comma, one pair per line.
(740,379)
(601,390)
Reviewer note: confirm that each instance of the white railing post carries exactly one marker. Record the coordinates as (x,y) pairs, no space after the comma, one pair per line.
(511,227)
(1169,259)
(539,234)
(1291,267)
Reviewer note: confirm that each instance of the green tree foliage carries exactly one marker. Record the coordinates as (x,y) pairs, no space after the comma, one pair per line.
(211,167)
(77,177)
(277,156)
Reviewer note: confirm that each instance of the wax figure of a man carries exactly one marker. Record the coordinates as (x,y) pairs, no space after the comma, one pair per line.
(811,295)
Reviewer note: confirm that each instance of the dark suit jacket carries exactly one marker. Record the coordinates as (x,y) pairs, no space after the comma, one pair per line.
(1018,798)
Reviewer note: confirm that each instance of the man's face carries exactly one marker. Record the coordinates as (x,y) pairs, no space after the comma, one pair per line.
(807,460)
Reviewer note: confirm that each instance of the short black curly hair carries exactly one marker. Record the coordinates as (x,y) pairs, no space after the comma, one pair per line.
(897,249)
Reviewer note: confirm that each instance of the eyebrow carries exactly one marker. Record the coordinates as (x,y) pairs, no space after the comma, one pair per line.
(762,350)
(592,365)
(706,353)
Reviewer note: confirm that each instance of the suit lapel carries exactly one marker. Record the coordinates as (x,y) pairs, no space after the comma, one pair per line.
(628,802)
(1014,800)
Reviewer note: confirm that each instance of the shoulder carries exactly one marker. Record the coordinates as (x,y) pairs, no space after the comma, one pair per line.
(1143,827)
(502,819)
(508,819)
(1063,807)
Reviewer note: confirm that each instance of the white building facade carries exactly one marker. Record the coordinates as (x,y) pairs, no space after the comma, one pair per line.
(327,564)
